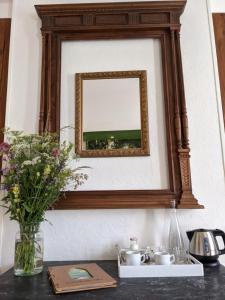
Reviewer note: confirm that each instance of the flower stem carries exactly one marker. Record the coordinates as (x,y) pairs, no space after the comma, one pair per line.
(25,249)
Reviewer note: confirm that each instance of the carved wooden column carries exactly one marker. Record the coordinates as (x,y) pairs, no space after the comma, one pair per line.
(187,198)
(50,51)
(45,82)
(5,25)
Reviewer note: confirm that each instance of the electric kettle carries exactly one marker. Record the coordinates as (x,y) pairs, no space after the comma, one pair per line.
(204,246)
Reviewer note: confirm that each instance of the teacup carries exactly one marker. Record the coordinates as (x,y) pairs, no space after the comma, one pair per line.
(164,258)
(134,258)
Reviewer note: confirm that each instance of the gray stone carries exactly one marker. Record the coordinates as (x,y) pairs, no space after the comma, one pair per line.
(209,287)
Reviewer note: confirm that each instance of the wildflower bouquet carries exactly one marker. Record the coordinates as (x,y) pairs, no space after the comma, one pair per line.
(35,170)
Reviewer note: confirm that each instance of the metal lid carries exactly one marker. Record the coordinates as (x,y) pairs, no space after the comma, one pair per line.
(203,230)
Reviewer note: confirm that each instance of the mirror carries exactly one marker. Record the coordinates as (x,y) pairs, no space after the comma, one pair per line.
(111,114)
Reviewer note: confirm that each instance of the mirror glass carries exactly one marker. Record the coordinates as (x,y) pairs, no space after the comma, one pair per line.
(111,114)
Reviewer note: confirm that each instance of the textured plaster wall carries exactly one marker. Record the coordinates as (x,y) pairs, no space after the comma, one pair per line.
(91,234)
(118,55)
(217,5)
(5,8)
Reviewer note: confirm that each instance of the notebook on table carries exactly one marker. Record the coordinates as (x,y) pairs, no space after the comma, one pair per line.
(80,277)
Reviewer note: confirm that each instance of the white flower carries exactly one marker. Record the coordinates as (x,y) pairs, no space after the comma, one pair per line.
(27,163)
(35,160)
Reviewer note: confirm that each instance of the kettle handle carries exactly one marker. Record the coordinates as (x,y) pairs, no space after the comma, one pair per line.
(218,232)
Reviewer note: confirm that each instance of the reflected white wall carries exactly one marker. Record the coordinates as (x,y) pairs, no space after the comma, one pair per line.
(111,104)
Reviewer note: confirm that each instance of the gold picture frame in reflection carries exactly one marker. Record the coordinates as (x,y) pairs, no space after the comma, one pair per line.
(111,114)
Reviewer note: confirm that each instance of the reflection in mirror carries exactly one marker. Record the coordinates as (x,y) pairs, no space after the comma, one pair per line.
(111,114)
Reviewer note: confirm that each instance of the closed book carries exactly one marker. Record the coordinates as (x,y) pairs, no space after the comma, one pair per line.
(79,277)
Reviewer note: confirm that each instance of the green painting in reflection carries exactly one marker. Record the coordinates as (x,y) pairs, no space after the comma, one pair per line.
(121,139)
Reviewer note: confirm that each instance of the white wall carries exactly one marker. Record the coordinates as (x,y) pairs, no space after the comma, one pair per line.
(5,8)
(217,5)
(81,234)
(143,54)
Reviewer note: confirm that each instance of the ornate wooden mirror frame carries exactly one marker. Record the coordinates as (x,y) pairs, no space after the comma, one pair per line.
(102,21)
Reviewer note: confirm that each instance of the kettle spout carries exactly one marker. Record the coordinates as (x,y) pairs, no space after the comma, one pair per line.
(190,234)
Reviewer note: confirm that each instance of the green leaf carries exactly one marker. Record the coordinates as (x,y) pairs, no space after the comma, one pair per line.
(28,209)
(7,211)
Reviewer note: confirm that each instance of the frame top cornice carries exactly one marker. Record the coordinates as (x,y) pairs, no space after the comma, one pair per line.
(62,9)
(57,17)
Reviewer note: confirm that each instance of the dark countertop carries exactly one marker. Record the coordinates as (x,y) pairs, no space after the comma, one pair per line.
(211,286)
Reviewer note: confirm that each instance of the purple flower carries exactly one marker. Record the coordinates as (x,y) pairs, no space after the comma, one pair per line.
(5,171)
(4,147)
(3,187)
(55,152)
(13,166)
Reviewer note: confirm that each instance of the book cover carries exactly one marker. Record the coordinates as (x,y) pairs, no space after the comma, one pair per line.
(80,277)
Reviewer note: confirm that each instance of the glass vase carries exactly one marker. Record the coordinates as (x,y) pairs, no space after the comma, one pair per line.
(176,244)
(28,250)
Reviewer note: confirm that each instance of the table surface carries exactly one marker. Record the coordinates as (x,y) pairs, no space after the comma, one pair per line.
(211,286)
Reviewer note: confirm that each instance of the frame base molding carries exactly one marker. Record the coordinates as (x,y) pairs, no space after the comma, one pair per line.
(188,201)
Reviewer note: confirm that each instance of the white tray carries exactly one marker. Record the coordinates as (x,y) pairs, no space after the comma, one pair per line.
(195,268)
